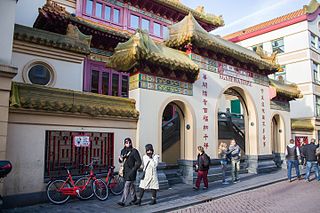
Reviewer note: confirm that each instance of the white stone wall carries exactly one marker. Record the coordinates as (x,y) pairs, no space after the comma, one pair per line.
(69,75)
(26,145)
(151,104)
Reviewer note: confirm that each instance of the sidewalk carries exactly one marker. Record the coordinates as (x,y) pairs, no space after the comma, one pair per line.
(180,195)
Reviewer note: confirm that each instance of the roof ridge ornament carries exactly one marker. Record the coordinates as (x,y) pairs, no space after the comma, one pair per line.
(265,56)
(311,7)
(74,32)
(54,6)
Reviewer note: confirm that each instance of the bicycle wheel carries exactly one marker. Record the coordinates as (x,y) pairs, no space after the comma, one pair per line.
(86,192)
(100,189)
(54,194)
(116,185)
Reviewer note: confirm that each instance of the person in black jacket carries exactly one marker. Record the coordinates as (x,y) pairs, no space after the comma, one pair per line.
(202,167)
(309,151)
(131,159)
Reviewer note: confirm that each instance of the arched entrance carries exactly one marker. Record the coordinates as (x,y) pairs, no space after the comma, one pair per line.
(237,119)
(172,133)
(277,138)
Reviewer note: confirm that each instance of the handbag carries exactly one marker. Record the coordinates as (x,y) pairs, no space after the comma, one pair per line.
(143,173)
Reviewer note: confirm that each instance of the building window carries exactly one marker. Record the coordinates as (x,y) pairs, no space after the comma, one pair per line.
(102,80)
(89,6)
(281,76)
(315,68)
(116,16)
(154,28)
(278,45)
(102,11)
(145,25)
(107,13)
(313,40)
(134,21)
(255,47)
(39,72)
(165,32)
(318,105)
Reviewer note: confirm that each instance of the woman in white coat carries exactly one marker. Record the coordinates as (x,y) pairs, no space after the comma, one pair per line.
(150,180)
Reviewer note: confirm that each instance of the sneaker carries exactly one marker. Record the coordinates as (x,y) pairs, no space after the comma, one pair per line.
(289,180)
(225,183)
(205,188)
(307,180)
(195,188)
(121,204)
(236,181)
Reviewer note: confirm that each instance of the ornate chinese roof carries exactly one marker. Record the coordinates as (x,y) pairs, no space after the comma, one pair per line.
(45,99)
(141,48)
(189,31)
(302,124)
(74,40)
(198,13)
(55,18)
(307,9)
(287,90)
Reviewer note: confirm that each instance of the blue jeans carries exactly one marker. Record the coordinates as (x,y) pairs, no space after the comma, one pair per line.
(296,166)
(224,168)
(310,164)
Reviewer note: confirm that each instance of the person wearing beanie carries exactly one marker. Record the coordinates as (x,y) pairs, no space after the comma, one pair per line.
(131,160)
(150,180)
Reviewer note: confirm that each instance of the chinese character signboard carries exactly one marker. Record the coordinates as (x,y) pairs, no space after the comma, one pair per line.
(263,118)
(205,114)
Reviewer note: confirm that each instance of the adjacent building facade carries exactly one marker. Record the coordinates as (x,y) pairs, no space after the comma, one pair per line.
(295,38)
(90,73)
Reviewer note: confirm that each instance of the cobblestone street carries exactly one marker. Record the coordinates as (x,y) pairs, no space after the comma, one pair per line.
(297,196)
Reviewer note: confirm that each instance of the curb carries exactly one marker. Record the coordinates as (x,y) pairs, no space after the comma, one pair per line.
(220,196)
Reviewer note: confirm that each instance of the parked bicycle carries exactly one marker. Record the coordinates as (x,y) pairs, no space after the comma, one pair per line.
(114,182)
(5,169)
(59,191)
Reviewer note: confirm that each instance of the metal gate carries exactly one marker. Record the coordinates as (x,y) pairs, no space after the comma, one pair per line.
(61,152)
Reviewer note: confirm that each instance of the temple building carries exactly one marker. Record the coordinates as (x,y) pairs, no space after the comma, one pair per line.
(81,76)
(295,36)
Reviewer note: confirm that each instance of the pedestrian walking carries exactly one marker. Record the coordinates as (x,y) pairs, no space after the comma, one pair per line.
(222,151)
(309,151)
(302,157)
(202,167)
(150,180)
(235,153)
(292,154)
(131,160)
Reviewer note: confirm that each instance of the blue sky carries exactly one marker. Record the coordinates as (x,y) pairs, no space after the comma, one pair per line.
(240,14)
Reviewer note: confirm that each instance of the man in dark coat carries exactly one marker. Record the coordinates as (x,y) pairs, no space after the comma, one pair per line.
(131,159)
(309,151)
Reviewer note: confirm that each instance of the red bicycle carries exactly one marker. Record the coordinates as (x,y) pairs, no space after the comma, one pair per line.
(114,182)
(59,191)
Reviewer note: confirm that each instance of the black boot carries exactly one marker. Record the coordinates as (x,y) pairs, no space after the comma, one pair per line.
(133,201)
(153,201)
(138,202)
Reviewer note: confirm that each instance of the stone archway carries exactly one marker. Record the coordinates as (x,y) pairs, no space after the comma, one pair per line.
(277,138)
(184,146)
(172,133)
(249,119)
